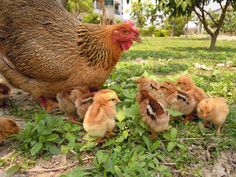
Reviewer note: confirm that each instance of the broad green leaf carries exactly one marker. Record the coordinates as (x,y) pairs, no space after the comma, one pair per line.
(184,5)
(70,137)
(120,116)
(189,2)
(174,113)
(53,149)
(101,156)
(36,148)
(178,2)
(52,137)
(147,141)
(171,145)
(12,170)
(173,133)
(77,172)
(167,136)
(123,136)
(155,145)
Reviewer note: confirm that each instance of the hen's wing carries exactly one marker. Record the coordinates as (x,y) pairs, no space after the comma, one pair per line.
(39,38)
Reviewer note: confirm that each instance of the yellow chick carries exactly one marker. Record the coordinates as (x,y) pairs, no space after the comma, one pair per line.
(5,92)
(153,113)
(100,117)
(186,83)
(7,127)
(214,110)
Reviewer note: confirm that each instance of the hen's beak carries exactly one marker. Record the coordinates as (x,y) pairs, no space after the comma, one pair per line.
(136,38)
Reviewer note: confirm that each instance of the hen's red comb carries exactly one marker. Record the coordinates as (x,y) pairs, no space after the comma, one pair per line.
(132,26)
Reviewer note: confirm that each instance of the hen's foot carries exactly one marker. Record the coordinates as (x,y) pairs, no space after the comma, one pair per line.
(48,104)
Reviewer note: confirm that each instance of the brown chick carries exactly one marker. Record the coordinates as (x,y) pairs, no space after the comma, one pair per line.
(178,100)
(47,50)
(214,110)
(75,101)
(100,117)
(5,93)
(153,89)
(186,84)
(153,113)
(7,127)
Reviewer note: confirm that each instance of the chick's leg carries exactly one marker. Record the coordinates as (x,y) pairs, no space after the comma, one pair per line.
(218,130)
(100,140)
(48,104)
(73,119)
(153,135)
(109,134)
(188,118)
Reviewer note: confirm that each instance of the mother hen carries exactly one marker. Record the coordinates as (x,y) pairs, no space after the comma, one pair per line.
(44,49)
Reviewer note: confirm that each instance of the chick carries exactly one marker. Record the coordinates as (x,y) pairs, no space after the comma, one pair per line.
(178,100)
(5,92)
(153,88)
(153,113)
(186,83)
(75,101)
(7,127)
(100,117)
(214,110)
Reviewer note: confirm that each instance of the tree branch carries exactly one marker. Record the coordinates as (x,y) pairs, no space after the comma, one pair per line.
(222,16)
(211,17)
(203,20)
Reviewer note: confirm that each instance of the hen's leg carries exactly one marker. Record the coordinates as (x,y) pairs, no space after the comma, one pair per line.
(47,104)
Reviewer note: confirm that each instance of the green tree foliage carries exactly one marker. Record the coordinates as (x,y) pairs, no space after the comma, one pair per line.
(79,6)
(175,25)
(186,7)
(230,23)
(91,18)
(137,13)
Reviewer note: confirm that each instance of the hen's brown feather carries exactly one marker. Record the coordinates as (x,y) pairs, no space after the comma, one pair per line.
(51,50)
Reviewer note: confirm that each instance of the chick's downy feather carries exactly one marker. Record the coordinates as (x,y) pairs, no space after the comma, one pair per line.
(7,127)
(44,49)
(214,110)
(153,113)
(100,116)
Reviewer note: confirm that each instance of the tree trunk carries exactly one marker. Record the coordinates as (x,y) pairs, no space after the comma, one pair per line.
(213,41)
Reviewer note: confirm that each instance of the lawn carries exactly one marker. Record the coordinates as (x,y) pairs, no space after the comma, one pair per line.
(185,150)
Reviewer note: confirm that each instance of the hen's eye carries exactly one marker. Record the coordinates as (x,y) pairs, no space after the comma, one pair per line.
(125,31)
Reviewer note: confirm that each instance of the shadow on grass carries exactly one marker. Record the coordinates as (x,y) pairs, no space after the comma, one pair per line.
(196,49)
(221,53)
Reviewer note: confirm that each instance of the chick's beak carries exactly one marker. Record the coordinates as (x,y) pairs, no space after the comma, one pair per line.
(118,100)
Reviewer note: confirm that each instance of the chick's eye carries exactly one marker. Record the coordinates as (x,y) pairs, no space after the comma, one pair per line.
(113,99)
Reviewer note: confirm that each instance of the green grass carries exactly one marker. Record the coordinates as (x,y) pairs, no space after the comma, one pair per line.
(130,152)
